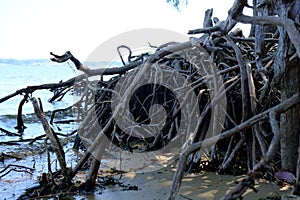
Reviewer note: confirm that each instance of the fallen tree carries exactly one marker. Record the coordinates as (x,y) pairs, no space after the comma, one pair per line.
(258,76)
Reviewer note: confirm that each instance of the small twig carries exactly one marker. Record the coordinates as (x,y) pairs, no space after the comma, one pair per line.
(185,197)
(30,140)
(48,155)
(9,143)
(14,169)
(3,155)
(59,110)
(227,161)
(58,95)
(67,121)
(9,133)
(67,135)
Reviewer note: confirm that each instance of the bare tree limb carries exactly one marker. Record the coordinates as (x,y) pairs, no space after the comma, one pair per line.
(282,107)
(228,24)
(288,24)
(52,137)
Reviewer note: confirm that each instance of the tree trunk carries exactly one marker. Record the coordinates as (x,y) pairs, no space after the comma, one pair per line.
(290,120)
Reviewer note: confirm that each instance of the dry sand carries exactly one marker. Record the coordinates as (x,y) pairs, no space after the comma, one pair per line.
(156,184)
(207,185)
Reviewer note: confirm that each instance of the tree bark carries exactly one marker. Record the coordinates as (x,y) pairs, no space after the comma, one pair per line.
(290,120)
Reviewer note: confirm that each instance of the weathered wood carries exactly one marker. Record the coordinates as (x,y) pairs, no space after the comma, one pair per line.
(31,89)
(92,175)
(246,112)
(91,72)
(20,124)
(282,107)
(288,24)
(58,149)
(290,120)
(228,24)
(251,69)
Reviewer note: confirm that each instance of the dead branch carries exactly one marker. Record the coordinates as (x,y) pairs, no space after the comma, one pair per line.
(58,149)
(20,124)
(31,89)
(282,107)
(9,133)
(93,72)
(247,66)
(30,140)
(59,110)
(67,56)
(3,156)
(259,168)
(288,24)
(16,168)
(228,24)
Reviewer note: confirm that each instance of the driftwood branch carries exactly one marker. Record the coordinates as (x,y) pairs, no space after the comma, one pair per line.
(60,154)
(288,24)
(17,168)
(245,65)
(282,107)
(93,72)
(235,15)
(259,168)
(20,124)
(31,89)
(67,56)
(228,24)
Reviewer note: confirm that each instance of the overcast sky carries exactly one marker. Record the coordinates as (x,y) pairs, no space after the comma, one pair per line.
(33,28)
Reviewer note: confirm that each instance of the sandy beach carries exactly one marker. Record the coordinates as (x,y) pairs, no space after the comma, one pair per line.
(205,185)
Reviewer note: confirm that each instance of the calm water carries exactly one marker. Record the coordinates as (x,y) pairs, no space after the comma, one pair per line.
(14,77)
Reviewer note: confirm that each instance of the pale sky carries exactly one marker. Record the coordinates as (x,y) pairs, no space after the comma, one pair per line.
(33,28)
